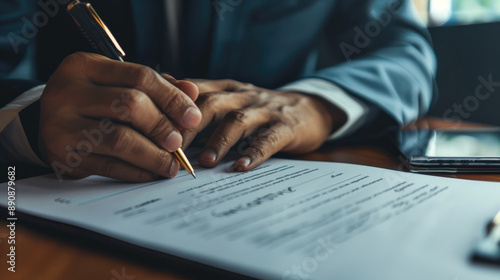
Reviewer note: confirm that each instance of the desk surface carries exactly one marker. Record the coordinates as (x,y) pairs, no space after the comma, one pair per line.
(44,253)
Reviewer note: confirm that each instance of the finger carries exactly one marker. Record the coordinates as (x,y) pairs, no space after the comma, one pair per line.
(189,88)
(264,146)
(235,126)
(95,164)
(124,143)
(205,86)
(214,106)
(135,108)
(79,162)
(167,97)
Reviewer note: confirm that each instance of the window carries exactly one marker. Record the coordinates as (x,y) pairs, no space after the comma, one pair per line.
(450,12)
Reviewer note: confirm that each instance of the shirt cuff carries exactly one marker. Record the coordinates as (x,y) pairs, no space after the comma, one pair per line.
(355,109)
(12,136)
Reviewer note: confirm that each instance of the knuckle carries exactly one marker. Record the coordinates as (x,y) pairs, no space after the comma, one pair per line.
(223,140)
(144,76)
(74,61)
(257,150)
(271,138)
(207,99)
(247,87)
(237,116)
(159,127)
(76,57)
(291,120)
(231,84)
(173,102)
(208,104)
(257,95)
(135,100)
(121,140)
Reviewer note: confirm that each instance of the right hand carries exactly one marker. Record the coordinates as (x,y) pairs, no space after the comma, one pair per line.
(115,119)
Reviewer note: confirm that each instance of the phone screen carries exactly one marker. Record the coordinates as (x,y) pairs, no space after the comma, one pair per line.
(449,143)
(475,150)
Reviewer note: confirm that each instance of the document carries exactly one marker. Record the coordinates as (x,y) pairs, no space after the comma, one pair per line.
(287,219)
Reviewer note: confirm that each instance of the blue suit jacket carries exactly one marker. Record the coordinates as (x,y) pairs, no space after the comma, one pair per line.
(376,50)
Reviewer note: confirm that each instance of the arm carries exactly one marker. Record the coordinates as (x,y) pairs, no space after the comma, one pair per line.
(97,115)
(386,57)
(387,79)
(18,90)
(19,121)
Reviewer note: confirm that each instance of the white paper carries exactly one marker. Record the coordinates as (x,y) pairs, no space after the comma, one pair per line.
(287,219)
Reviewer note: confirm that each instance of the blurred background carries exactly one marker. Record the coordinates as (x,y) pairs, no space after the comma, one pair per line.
(449,12)
(466,38)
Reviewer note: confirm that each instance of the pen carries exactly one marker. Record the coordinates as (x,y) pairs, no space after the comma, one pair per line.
(494,228)
(101,39)
(488,249)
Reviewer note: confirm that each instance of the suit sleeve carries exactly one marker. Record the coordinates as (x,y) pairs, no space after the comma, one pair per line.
(17,39)
(386,58)
(19,91)
(19,128)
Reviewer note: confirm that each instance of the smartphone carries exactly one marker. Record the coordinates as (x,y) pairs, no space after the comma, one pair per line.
(441,150)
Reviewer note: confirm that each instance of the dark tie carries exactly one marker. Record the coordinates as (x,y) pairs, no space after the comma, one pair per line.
(196,38)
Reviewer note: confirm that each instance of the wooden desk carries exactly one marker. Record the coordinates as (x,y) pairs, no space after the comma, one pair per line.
(44,253)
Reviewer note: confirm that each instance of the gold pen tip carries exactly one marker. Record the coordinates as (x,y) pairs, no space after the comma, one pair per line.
(194,176)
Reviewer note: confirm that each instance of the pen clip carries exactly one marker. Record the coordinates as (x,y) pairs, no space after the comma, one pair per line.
(88,7)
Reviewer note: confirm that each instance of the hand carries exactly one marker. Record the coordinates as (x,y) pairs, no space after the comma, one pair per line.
(115,119)
(274,120)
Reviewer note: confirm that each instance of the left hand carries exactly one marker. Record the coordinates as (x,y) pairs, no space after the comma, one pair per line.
(271,120)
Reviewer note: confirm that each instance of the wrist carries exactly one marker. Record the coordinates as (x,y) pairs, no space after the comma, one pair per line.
(333,116)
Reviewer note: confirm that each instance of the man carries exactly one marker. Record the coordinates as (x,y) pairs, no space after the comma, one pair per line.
(320,70)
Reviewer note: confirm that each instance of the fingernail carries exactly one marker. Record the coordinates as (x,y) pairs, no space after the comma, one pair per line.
(174,168)
(241,163)
(207,155)
(173,141)
(191,117)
